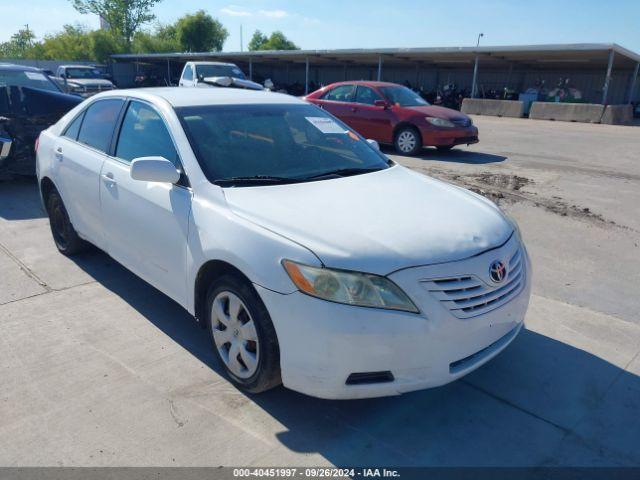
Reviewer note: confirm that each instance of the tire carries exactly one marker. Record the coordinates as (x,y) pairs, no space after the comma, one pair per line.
(255,367)
(64,235)
(407,141)
(445,148)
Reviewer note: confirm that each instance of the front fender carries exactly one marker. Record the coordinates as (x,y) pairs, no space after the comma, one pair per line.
(216,233)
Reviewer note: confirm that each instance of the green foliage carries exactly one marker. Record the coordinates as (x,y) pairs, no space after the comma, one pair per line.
(200,32)
(19,45)
(163,40)
(124,17)
(277,41)
(257,41)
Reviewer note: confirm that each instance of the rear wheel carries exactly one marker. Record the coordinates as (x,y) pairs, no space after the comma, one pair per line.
(242,334)
(64,235)
(407,141)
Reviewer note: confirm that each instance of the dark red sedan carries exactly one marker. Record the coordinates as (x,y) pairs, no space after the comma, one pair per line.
(393,114)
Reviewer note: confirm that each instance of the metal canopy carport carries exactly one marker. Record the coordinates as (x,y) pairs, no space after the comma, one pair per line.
(603,59)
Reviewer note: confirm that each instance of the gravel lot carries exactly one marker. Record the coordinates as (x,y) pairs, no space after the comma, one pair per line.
(98,368)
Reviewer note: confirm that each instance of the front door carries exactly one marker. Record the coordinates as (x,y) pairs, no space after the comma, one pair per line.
(370,120)
(146,223)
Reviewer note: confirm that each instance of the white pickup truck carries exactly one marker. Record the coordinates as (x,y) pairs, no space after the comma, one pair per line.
(215,74)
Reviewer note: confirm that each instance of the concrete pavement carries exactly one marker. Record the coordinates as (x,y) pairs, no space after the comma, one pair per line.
(98,368)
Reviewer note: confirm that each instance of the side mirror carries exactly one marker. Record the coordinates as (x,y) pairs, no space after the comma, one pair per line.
(154,169)
(381,103)
(374,144)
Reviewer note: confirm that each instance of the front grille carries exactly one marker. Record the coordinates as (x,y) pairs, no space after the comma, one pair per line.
(468,296)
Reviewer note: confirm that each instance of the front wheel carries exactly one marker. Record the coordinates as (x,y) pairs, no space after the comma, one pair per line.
(407,141)
(242,334)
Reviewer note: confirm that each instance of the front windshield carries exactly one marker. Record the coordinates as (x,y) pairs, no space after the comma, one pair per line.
(204,71)
(403,97)
(26,79)
(83,73)
(290,142)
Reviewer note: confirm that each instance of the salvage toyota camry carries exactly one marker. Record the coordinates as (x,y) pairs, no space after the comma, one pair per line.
(311,258)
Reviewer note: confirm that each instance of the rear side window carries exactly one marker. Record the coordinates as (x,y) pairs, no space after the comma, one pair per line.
(74,127)
(99,122)
(342,93)
(144,134)
(188,74)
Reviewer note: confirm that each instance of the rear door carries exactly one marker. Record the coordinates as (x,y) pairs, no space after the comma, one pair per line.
(339,102)
(79,154)
(146,223)
(369,120)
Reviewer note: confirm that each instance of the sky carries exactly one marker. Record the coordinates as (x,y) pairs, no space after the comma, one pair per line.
(321,24)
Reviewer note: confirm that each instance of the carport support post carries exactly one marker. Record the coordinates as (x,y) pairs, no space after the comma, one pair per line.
(250,68)
(306,75)
(380,68)
(168,72)
(607,79)
(632,85)
(475,77)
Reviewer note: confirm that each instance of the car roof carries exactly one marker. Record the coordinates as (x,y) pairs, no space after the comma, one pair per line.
(368,83)
(24,68)
(213,63)
(195,97)
(76,66)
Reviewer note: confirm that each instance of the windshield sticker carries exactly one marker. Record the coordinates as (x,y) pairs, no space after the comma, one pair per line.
(35,76)
(325,125)
(236,71)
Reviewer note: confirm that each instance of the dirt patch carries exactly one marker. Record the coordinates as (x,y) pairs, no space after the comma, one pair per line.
(506,188)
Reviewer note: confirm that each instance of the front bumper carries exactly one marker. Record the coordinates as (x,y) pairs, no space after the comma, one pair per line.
(323,343)
(443,137)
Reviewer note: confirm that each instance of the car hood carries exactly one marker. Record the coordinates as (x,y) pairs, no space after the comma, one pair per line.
(439,112)
(86,82)
(378,222)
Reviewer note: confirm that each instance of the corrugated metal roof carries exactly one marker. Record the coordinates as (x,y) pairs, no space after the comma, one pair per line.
(553,53)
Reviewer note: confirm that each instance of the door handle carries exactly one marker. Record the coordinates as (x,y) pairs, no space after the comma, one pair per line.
(108,178)
(58,153)
(354,109)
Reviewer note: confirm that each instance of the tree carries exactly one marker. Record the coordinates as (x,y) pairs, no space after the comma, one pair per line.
(124,17)
(19,44)
(200,32)
(277,41)
(163,40)
(72,43)
(257,41)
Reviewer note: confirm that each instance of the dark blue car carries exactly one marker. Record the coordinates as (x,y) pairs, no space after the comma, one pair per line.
(29,102)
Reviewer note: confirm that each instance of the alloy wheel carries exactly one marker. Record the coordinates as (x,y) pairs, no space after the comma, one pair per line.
(407,141)
(234,333)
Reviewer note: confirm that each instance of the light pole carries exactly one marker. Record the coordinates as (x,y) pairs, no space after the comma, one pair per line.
(475,69)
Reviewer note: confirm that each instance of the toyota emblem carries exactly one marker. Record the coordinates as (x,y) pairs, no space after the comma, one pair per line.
(497,271)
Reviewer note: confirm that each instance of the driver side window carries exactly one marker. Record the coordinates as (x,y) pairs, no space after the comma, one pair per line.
(144,134)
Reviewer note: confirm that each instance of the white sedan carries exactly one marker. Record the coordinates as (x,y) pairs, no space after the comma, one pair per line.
(311,258)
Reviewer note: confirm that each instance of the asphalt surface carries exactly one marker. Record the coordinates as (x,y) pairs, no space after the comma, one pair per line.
(97,368)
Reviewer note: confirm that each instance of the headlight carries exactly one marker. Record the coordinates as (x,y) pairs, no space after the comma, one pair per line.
(351,288)
(77,88)
(439,122)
